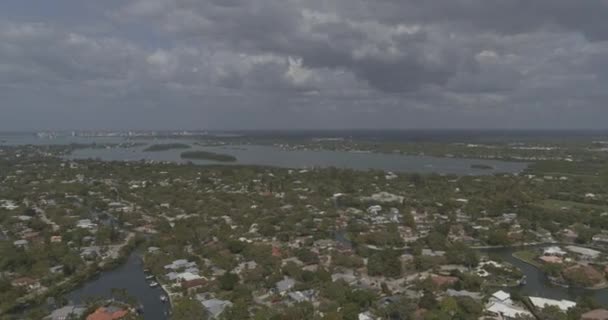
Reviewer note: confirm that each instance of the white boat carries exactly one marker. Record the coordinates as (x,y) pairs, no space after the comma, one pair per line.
(153,284)
(163,298)
(150,277)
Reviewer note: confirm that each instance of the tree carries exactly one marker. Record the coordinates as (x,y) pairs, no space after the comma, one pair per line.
(552,313)
(384,263)
(228,280)
(188,309)
(498,237)
(236,246)
(428,300)
(460,253)
(237,311)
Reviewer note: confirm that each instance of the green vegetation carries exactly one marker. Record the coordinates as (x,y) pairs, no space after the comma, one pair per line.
(248,228)
(166,146)
(528,256)
(206,155)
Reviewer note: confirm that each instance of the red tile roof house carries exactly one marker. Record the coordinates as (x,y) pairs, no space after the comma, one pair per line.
(597,314)
(109,313)
(551,259)
(26,282)
(276,252)
(192,285)
(441,281)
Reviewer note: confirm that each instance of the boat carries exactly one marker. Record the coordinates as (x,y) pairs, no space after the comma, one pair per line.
(153,284)
(163,298)
(150,277)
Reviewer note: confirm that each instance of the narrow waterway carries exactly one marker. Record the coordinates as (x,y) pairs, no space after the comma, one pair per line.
(537,283)
(129,276)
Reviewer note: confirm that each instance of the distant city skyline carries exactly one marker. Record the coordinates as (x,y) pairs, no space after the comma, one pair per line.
(303,64)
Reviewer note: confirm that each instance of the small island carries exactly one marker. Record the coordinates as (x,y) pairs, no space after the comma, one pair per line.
(206,155)
(481,166)
(166,146)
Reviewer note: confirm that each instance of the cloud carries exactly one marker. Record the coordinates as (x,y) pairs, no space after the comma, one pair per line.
(408,62)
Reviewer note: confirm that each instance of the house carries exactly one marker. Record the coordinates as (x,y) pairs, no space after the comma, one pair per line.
(585,253)
(24,218)
(21,243)
(32,236)
(301,296)
(385,197)
(153,250)
(187,276)
(180,264)
(442,281)
(431,253)
(463,293)
(66,312)
(501,296)
(600,238)
(215,307)
(551,259)
(554,251)
(26,282)
(108,313)
(56,269)
(348,277)
(597,314)
(365,316)
(541,303)
(507,311)
(569,234)
(501,306)
(374,209)
(285,285)
(89,253)
(56,239)
(243,266)
(276,251)
(191,285)
(86,224)
(8,205)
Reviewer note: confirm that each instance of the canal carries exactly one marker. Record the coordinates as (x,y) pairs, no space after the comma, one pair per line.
(537,283)
(129,276)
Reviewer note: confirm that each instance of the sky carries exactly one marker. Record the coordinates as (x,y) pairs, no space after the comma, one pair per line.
(303,64)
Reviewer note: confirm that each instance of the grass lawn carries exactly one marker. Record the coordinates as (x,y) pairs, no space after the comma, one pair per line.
(528,256)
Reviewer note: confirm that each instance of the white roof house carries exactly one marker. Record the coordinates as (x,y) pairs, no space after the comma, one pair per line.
(20,243)
(365,316)
(563,305)
(180,264)
(507,311)
(85,224)
(374,209)
(589,253)
(215,307)
(554,251)
(67,312)
(8,205)
(285,285)
(501,296)
(188,276)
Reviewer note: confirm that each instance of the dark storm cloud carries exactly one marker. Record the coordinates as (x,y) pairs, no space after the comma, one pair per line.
(357,63)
